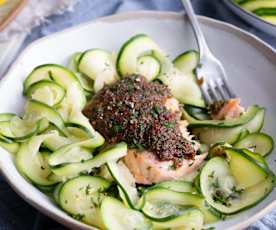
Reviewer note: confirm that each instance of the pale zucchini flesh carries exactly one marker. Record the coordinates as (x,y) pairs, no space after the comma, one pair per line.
(211,135)
(58,74)
(98,65)
(74,61)
(187,63)
(32,163)
(47,92)
(36,110)
(125,180)
(259,159)
(183,88)
(76,152)
(6,116)
(218,186)
(112,153)
(116,216)
(81,197)
(258,142)
(243,119)
(95,62)
(10,147)
(148,66)
(131,50)
(53,143)
(19,129)
(177,186)
(175,202)
(245,170)
(230,131)
(190,218)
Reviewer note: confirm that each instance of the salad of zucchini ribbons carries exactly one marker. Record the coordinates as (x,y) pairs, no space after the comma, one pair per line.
(126,141)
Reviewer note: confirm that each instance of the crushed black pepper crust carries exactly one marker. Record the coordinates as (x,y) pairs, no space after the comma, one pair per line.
(133,110)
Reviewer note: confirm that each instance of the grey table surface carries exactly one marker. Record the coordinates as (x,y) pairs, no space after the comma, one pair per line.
(16,214)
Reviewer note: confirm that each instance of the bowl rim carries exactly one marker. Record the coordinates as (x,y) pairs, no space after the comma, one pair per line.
(248,13)
(267,50)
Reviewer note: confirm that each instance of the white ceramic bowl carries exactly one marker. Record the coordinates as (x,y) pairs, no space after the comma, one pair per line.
(250,64)
(251,18)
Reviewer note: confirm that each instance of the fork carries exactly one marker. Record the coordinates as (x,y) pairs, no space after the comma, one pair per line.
(210,72)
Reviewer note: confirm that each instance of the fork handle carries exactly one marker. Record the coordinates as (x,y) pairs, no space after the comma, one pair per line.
(202,44)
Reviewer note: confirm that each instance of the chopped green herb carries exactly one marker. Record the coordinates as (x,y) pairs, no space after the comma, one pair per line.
(210,228)
(157,109)
(142,128)
(83,173)
(87,189)
(96,199)
(219,196)
(137,144)
(130,88)
(173,166)
(238,191)
(169,124)
(222,197)
(211,175)
(78,216)
(50,75)
(215,183)
(154,114)
(112,191)
(117,128)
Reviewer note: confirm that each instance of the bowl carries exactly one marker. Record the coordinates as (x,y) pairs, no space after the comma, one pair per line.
(249,62)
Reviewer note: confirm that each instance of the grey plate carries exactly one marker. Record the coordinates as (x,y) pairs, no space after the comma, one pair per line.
(252,18)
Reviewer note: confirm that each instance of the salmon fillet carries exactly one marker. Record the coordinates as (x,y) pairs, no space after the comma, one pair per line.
(229,110)
(147,169)
(172,105)
(146,116)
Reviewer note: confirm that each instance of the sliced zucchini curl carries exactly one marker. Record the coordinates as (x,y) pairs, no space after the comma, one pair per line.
(99,66)
(235,179)
(141,55)
(231,130)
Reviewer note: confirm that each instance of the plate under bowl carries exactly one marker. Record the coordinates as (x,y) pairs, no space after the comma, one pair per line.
(249,62)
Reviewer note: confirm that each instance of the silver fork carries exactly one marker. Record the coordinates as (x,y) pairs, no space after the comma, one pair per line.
(214,85)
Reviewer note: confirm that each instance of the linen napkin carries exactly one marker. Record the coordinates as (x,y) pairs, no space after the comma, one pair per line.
(33,14)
